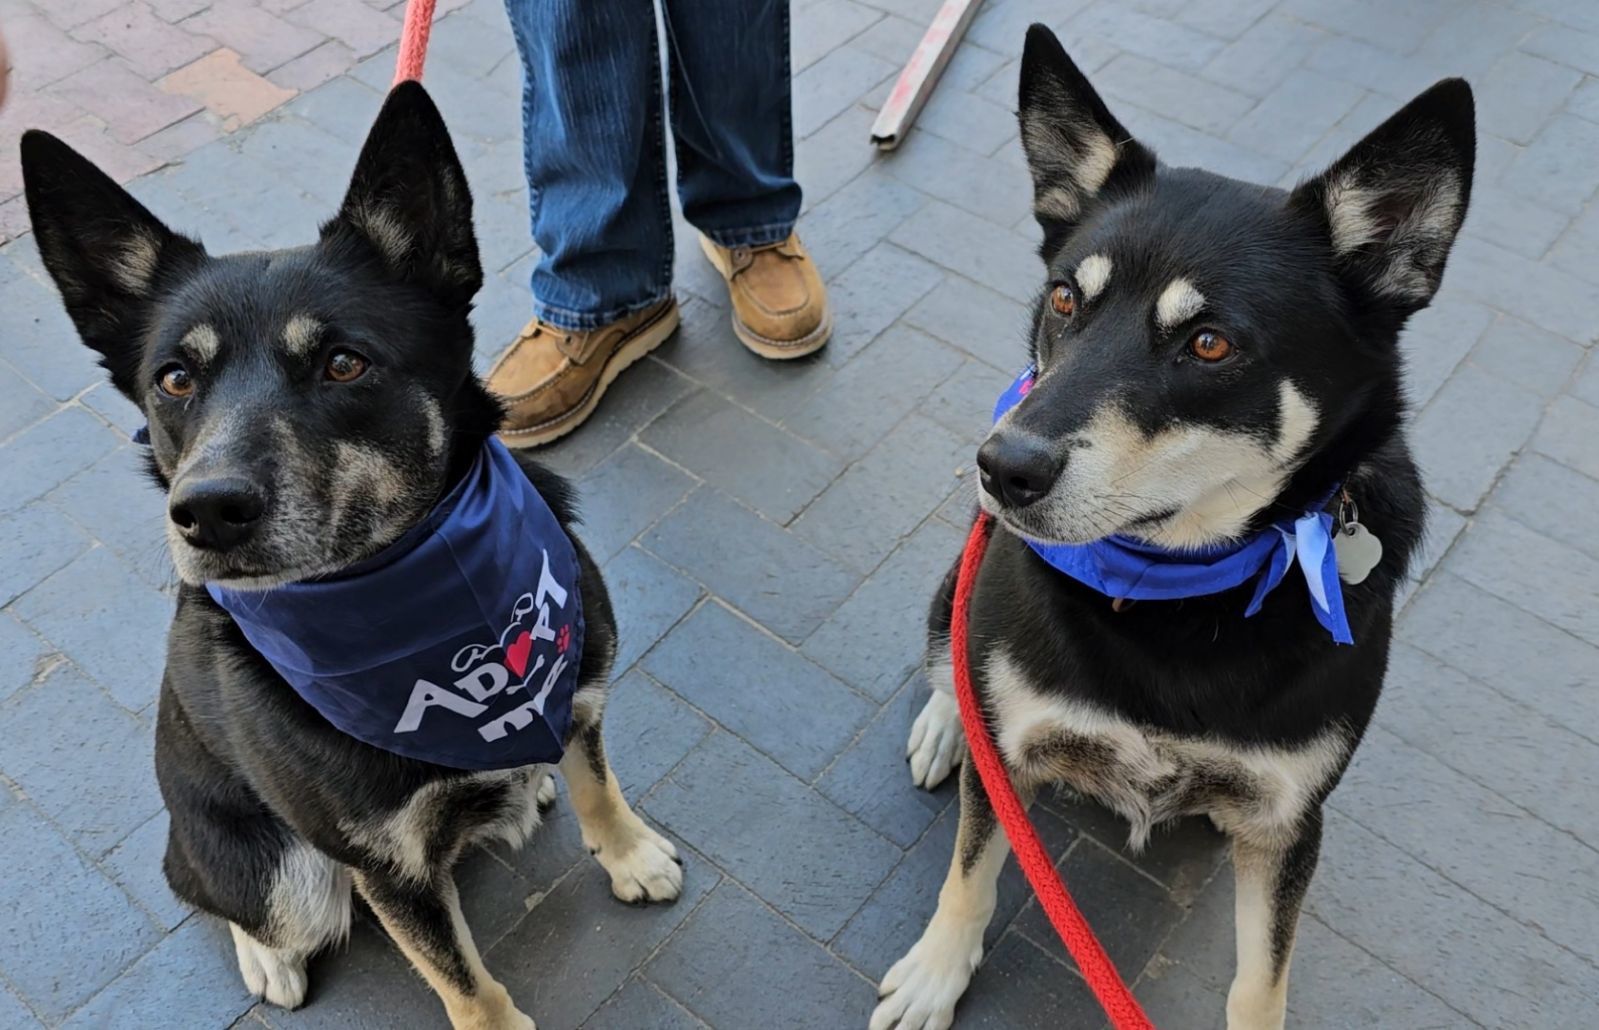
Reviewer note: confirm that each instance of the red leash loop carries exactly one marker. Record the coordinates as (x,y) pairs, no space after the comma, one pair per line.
(414,40)
(1097,968)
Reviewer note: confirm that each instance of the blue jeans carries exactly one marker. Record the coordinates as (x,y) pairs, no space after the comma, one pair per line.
(595,150)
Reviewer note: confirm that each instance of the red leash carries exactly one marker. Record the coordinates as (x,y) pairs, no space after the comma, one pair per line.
(1113,995)
(414,40)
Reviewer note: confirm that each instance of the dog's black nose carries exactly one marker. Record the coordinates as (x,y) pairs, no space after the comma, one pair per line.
(216,513)
(1018,468)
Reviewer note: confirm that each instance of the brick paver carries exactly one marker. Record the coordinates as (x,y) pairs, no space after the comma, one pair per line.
(1466,828)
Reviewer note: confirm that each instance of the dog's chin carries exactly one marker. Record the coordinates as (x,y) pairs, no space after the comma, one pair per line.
(198,567)
(1026,523)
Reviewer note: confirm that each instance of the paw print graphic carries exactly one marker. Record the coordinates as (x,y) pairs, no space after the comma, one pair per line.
(563,638)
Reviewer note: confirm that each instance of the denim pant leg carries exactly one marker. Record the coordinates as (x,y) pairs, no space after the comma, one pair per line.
(594,151)
(732,119)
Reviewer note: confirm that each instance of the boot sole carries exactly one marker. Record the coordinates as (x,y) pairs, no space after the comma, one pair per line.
(645,338)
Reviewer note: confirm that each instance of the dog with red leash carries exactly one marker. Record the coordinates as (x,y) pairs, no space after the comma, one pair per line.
(1215,396)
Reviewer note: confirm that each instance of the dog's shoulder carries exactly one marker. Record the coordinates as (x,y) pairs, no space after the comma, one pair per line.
(557,491)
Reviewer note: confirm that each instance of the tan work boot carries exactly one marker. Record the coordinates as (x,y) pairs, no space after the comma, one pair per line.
(779,304)
(551,379)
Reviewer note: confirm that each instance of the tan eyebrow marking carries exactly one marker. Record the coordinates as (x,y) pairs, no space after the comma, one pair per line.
(1178,302)
(1093,274)
(300,335)
(202,343)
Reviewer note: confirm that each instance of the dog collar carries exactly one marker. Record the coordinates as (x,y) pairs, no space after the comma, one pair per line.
(1124,569)
(459,644)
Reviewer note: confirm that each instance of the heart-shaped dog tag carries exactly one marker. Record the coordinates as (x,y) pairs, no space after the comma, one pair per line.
(1358,553)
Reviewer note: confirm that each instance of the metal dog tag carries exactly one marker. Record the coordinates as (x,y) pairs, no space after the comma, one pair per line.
(1358,553)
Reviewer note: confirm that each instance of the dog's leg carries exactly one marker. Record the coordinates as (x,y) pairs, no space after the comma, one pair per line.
(307,908)
(1271,882)
(643,864)
(425,921)
(920,991)
(937,743)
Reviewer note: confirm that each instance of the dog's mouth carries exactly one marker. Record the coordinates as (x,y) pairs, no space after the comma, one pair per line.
(1033,525)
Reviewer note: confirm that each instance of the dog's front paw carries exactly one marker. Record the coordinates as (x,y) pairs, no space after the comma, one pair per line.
(269,973)
(920,991)
(937,743)
(644,866)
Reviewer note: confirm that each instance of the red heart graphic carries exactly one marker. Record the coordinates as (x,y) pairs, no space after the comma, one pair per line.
(516,654)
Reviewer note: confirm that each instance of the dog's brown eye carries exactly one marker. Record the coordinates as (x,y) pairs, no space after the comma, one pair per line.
(1062,299)
(176,382)
(345,366)
(1208,346)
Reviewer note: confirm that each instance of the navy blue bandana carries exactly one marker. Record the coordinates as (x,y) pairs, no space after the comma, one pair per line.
(458,644)
(1122,567)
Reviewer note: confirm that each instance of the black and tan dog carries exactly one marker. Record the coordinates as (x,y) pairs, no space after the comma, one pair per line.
(1212,356)
(307,407)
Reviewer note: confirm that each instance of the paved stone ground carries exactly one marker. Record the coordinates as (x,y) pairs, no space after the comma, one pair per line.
(795,518)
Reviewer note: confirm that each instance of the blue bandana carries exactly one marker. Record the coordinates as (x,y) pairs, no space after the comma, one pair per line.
(1122,567)
(457,645)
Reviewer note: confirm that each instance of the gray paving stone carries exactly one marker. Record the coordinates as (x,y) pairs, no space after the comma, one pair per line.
(1555,167)
(344,107)
(1586,386)
(773,472)
(315,160)
(1473,37)
(1172,995)
(1182,147)
(1131,913)
(1435,341)
(555,850)
(874,390)
(1026,987)
(1519,94)
(634,401)
(965,402)
(877,638)
(1526,355)
(787,707)
(49,728)
(1499,851)
(828,24)
(116,502)
(1504,746)
(1194,101)
(1567,435)
(1569,46)
(38,340)
(1296,114)
(1518,654)
(893,919)
(1514,222)
(1552,499)
(1577,251)
(106,619)
(189,979)
(1373,67)
(984,324)
(14,1014)
(812,861)
(706,351)
(34,950)
(116,409)
(882,498)
(732,986)
(967,120)
(495,895)
(50,452)
(995,257)
(1225,19)
(1459,458)
(1139,33)
(21,652)
(1182,854)
(34,543)
(995,190)
(835,154)
(1263,55)
(136,866)
(367,983)
(1400,28)
(639,1004)
(1526,568)
(873,292)
(648,730)
(21,404)
(870,780)
(623,495)
(1002,26)
(649,597)
(1473,957)
(781,581)
(849,222)
(831,86)
(566,958)
(1444,526)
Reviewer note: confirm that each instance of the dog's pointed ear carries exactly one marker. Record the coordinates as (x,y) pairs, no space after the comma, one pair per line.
(1076,149)
(409,201)
(109,256)
(1392,205)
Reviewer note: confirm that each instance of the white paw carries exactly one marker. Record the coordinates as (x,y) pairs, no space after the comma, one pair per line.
(920,991)
(937,743)
(644,866)
(269,973)
(544,797)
